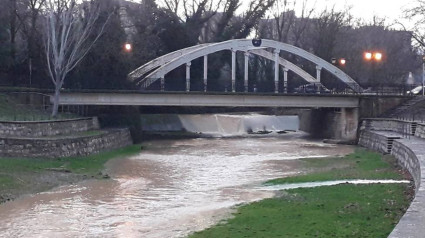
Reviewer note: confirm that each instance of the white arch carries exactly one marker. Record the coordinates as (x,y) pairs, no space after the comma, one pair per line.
(303,74)
(139,72)
(260,52)
(246,45)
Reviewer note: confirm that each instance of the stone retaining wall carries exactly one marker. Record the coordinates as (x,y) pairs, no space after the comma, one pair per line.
(408,160)
(47,128)
(410,153)
(64,147)
(373,141)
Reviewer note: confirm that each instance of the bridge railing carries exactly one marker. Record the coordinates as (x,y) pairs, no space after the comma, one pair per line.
(197,85)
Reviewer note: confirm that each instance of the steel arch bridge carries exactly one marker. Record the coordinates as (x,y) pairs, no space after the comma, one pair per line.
(156,69)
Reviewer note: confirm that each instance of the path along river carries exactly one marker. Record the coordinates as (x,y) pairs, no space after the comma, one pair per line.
(169,190)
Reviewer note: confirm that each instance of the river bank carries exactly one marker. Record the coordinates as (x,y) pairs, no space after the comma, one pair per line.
(25,176)
(345,210)
(170,189)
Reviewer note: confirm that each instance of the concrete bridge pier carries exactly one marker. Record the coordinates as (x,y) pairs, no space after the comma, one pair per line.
(331,123)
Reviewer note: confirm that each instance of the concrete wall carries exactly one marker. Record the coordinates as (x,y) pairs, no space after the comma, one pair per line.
(64,147)
(373,106)
(410,154)
(47,128)
(408,160)
(339,124)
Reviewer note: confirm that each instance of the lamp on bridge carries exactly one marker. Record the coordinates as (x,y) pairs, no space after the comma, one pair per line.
(339,62)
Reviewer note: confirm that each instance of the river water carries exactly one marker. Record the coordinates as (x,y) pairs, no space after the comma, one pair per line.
(170,189)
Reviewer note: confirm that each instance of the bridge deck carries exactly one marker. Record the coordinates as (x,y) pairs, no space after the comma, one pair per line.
(210,100)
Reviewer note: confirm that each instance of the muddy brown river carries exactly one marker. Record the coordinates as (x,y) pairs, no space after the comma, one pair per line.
(170,189)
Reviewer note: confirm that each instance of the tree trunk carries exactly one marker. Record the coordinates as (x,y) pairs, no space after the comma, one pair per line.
(56,102)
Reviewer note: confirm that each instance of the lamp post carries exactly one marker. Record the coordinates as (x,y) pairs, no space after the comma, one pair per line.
(374,57)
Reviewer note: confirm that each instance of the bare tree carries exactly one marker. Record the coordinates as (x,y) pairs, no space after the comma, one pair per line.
(326,31)
(416,14)
(284,17)
(194,14)
(69,30)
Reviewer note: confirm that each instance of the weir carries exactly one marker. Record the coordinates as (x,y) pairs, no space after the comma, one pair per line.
(220,124)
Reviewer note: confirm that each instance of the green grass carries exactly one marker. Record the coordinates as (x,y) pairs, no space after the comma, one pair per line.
(362,164)
(89,165)
(7,182)
(335,211)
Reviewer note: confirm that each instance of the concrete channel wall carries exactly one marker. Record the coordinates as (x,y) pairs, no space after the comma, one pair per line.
(409,150)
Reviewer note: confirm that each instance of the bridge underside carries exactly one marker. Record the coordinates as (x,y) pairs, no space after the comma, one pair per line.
(210,100)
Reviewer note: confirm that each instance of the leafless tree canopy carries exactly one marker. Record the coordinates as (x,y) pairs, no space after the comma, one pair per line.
(417,15)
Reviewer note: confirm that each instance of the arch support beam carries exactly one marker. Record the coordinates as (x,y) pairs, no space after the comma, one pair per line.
(246,71)
(285,80)
(233,70)
(205,72)
(188,76)
(318,77)
(276,53)
(318,73)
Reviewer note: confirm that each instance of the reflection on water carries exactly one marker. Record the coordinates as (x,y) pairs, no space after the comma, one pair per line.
(169,190)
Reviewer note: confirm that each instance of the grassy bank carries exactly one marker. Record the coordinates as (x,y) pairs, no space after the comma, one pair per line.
(335,211)
(29,175)
(362,164)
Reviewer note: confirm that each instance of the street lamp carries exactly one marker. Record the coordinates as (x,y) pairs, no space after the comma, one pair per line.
(375,56)
(128,47)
